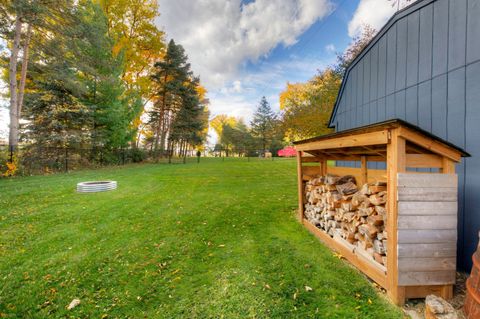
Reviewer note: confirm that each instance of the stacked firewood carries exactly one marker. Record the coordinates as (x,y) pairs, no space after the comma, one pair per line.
(357,215)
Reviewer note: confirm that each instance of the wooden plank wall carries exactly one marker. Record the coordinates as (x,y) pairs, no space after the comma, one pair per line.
(427,229)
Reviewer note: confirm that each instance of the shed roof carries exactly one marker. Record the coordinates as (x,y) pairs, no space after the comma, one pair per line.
(371,140)
(397,16)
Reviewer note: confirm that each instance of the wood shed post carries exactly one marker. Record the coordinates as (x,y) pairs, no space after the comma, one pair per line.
(396,163)
(300,185)
(364,170)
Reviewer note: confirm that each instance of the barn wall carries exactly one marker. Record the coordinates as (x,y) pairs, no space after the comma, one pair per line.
(424,67)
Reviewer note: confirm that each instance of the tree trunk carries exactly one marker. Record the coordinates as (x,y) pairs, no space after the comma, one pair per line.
(23,76)
(13,133)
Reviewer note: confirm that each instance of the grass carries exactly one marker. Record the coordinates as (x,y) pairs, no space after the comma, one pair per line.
(209,240)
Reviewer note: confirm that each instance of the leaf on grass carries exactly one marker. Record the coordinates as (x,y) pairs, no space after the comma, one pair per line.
(222,245)
(267,286)
(307,288)
(339,256)
(369,301)
(75,302)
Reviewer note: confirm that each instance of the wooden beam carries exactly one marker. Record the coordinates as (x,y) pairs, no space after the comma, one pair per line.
(413,292)
(364,139)
(323,167)
(448,166)
(364,170)
(339,157)
(396,163)
(429,144)
(374,175)
(424,161)
(300,185)
(311,159)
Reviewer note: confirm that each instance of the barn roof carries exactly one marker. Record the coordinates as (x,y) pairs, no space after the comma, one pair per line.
(397,16)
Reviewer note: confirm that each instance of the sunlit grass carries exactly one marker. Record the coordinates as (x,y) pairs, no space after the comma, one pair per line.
(209,240)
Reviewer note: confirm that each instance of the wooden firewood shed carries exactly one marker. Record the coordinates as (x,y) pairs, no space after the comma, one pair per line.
(417,171)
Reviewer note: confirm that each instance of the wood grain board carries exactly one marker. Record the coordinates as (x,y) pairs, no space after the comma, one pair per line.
(427,229)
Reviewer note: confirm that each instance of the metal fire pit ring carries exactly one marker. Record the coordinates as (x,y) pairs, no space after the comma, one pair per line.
(99,186)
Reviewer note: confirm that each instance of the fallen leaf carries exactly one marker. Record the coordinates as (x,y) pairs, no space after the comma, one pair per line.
(75,302)
(267,286)
(307,288)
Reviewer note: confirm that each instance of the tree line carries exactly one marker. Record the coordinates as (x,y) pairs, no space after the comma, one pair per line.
(97,74)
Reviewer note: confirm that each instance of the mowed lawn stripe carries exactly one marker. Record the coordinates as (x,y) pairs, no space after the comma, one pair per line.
(212,240)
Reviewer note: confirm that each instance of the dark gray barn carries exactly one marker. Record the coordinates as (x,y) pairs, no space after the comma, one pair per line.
(424,67)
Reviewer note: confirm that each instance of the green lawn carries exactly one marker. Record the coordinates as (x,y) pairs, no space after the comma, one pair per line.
(209,240)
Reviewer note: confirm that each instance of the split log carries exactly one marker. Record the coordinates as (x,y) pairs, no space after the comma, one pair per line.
(345,211)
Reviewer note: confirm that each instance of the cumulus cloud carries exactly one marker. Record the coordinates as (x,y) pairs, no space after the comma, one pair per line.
(221,35)
(372,12)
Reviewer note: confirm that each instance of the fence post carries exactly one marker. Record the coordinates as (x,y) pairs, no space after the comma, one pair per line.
(66,159)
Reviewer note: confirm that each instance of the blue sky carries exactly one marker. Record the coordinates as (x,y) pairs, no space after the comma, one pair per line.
(245,49)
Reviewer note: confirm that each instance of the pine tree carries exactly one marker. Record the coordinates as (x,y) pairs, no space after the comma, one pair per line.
(264,124)
(76,94)
(170,76)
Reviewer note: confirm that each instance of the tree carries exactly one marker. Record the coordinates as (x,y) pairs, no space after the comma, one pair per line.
(76,94)
(131,24)
(264,124)
(22,14)
(218,124)
(306,107)
(357,45)
(189,123)
(171,74)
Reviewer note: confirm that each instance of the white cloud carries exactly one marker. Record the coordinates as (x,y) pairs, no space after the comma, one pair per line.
(330,48)
(372,12)
(221,35)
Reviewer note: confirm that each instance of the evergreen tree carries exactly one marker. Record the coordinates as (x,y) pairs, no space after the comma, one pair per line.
(170,77)
(188,123)
(77,96)
(264,124)
(112,108)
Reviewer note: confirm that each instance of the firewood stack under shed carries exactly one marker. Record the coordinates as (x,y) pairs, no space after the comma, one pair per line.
(348,213)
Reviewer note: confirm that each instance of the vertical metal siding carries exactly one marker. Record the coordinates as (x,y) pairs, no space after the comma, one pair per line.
(472,167)
(426,69)
(412,48)
(473,31)
(440,37)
